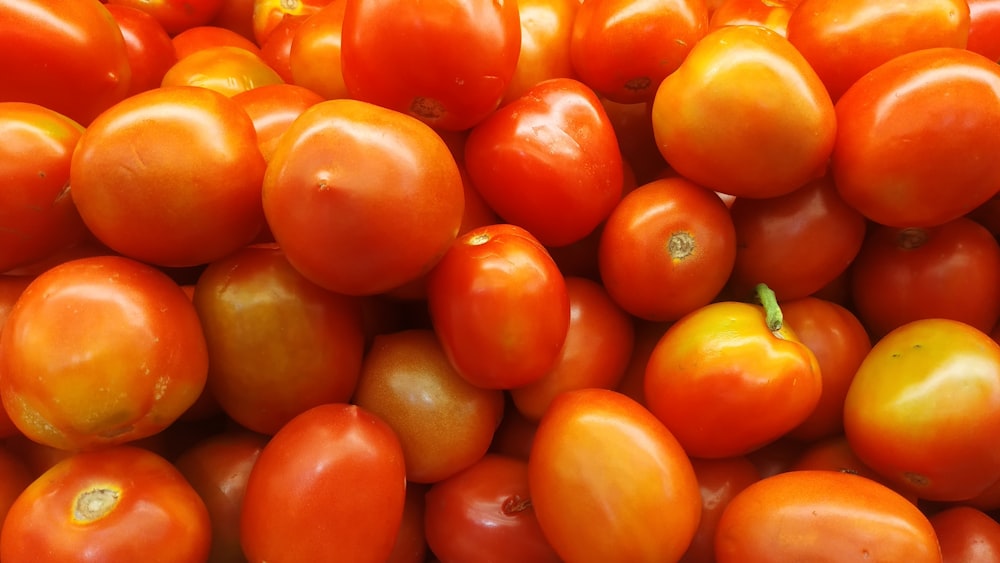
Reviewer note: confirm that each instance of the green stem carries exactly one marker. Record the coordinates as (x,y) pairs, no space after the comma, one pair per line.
(772,311)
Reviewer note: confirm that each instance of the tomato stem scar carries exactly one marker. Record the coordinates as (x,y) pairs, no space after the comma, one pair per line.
(94,504)
(772,312)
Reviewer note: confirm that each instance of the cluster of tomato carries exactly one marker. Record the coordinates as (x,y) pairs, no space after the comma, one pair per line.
(468,280)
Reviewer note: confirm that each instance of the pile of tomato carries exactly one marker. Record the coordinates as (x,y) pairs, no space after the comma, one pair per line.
(476,280)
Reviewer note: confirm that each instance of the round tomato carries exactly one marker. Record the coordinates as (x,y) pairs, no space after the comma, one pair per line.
(967,534)
(150,50)
(176,15)
(273,108)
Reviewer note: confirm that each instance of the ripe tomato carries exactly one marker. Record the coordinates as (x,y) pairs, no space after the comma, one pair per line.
(745,115)
(826,517)
(900,426)
(150,50)
(204,36)
(446,62)
(728,378)
(268,14)
(623,49)
(99,351)
(277,48)
(69,57)
(236,15)
(176,15)
(634,130)
(411,542)
(500,306)
(916,138)
(548,161)
(486,509)
(667,248)
(314,53)
(335,474)
(719,480)
(225,69)
(834,453)
(984,28)
(601,471)
(546,27)
(118,504)
(967,534)
(372,226)
(773,14)
(15,476)
(273,108)
(170,176)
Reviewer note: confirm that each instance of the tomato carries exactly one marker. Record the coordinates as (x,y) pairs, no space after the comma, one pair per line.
(515,433)
(647,334)
(548,161)
(69,57)
(898,424)
(719,480)
(844,39)
(99,351)
(916,138)
(335,474)
(601,471)
(745,115)
(443,422)
(15,476)
(377,224)
(277,343)
(950,271)
(176,15)
(546,28)
(773,14)
(268,14)
(447,62)
(275,50)
(624,49)
(967,534)
(204,36)
(500,306)
(150,50)
(236,15)
(596,351)
(840,343)
(834,453)
(634,130)
(796,243)
(728,378)
(225,69)
(117,504)
(823,516)
(38,218)
(411,542)
(273,108)
(171,176)
(314,53)
(667,248)
(984,28)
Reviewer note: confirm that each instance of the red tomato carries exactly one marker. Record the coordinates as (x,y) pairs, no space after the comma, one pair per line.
(834,453)
(967,534)
(546,27)
(719,481)
(667,249)
(447,62)
(268,14)
(486,509)
(372,226)
(225,69)
(273,108)
(499,304)
(601,471)
(548,161)
(150,50)
(236,15)
(275,50)
(176,15)
(916,138)
(634,129)
(67,56)
(745,115)
(773,14)
(898,424)
(411,543)
(102,327)
(15,476)
(314,53)
(171,176)
(984,28)
(825,517)
(647,335)
(117,504)
(203,36)
(335,474)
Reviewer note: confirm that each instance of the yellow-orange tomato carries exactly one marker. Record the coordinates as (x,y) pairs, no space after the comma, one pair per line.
(226,69)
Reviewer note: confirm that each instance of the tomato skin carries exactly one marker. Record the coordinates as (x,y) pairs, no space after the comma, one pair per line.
(314,53)
(548,161)
(335,473)
(419,71)
(773,14)
(500,306)
(200,37)
(826,517)
(967,534)
(138,504)
(745,115)
(719,481)
(546,27)
(273,108)
(919,129)
(176,15)
(600,471)
(268,14)
(984,28)
(900,427)
(224,69)
(150,50)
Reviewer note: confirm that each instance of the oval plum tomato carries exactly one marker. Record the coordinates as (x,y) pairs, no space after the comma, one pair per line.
(667,248)
(844,39)
(273,108)
(826,517)
(277,343)
(486,508)
(729,377)
(444,423)
(150,50)
(898,424)
(335,474)
(796,243)
(500,306)
(624,49)
(362,198)
(118,504)
(596,351)
(951,271)
(225,69)
(204,36)
(745,115)
(601,471)
(99,351)
(546,27)
(984,28)
(916,138)
(719,480)
(772,14)
(69,57)
(840,343)
(176,15)
(268,14)
(314,53)
(171,176)
(37,216)
(548,161)
(446,62)
(967,534)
